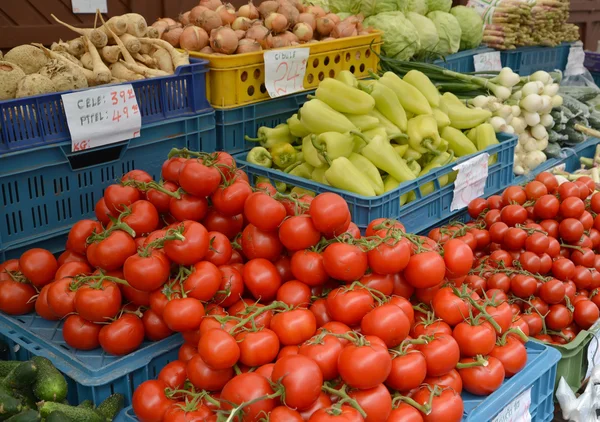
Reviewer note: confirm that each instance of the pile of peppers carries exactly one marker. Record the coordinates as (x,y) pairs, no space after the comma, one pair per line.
(368,137)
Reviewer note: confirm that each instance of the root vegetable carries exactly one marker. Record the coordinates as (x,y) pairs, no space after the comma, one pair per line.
(117,24)
(170,22)
(161,26)
(29,58)
(241,23)
(267,7)
(193,38)
(211,4)
(325,26)
(209,20)
(282,40)
(289,11)
(152,32)
(64,75)
(240,34)
(179,58)
(344,29)
(136,24)
(76,47)
(163,60)
(309,19)
(249,11)
(226,13)
(207,50)
(303,31)
(132,44)
(86,61)
(10,75)
(184,18)
(34,84)
(248,46)
(146,60)
(97,37)
(172,36)
(276,22)
(223,40)
(195,13)
(119,71)
(333,17)
(102,73)
(143,70)
(259,34)
(315,10)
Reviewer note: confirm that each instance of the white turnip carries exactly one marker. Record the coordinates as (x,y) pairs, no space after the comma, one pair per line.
(223,40)
(193,38)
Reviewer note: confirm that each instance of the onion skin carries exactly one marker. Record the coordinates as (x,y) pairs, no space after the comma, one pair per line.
(303,31)
(325,26)
(289,11)
(259,34)
(317,11)
(195,13)
(333,17)
(184,18)
(170,21)
(209,20)
(249,11)
(309,19)
(207,50)
(267,7)
(227,14)
(161,25)
(344,29)
(211,4)
(248,46)
(193,38)
(282,40)
(240,34)
(172,36)
(276,22)
(223,40)
(241,23)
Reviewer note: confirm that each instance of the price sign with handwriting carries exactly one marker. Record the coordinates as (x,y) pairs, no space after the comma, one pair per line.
(470,181)
(517,410)
(89,6)
(487,61)
(284,70)
(102,116)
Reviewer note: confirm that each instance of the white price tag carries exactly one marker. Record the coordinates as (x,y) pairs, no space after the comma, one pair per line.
(470,181)
(575,65)
(487,61)
(89,6)
(517,410)
(284,70)
(593,352)
(102,116)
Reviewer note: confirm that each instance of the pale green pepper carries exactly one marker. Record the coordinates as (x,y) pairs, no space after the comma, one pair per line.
(344,98)
(411,98)
(318,175)
(387,103)
(317,117)
(310,153)
(368,169)
(458,142)
(420,81)
(411,155)
(269,137)
(297,129)
(391,129)
(348,78)
(381,153)
(260,156)
(370,134)
(303,170)
(297,190)
(423,134)
(486,137)
(401,149)
(389,184)
(283,155)
(332,145)
(415,167)
(363,121)
(441,118)
(280,186)
(342,174)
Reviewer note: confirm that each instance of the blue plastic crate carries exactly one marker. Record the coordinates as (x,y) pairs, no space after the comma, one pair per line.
(538,375)
(91,375)
(462,61)
(235,123)
(45,190)
(527,60)
(592,61)
(422,212)
(40,120)
(584,149)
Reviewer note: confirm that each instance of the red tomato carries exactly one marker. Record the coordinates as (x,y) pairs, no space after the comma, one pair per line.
(147,272)
(294,327)
(257,348)
(330,213)
(308,267)
(229,200)
(441,354)
(193,248)
(449,307)
(376,402)
(262,279)
(245,388)
(446,405)
(218,349)
(79,233)
(257,243)
(122,336)
(150,402)
(80,333)
(345,262)
(204,377)
(98,302)
(349,306)
(426,269)
(229,226)
(482,380)
(183,314)
(199,179)
(365,366)
(450,380)
(38,266)
(263,211)
(388,322)
(118,197)
(408,371)
(474,339)
(302,379)
(389,257)
(294,293)
(512,355)
(155,327)
(173,374)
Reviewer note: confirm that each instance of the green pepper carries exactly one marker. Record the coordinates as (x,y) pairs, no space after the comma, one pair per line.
(318,175)
(389,184)
(411,154)
(441,118)
(420,81)
(472,135)
(411,98)
(458,142)
(359,143)
(310,153)
(438,161)
(280,186)
(297,129)
(344,98)
(368,169)
(283,155)
(363,121)
(370,134)
(260,156)
(381,153)
(348,78)
(401,149)
(391,129)
(423,134)
(269,137)
(415,167)
(317,117)
(387,103)
(342,174)
(296,190)
(486,137)
(302,170)
(332,145)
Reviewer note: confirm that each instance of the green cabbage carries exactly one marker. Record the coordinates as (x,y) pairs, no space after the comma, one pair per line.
(400,37)
(428,36)
(347,6)
(471,25)
(439,5)
(417,6)
(374,7)
(448,30)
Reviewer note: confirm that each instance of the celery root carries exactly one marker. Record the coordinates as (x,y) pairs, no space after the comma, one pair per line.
(96,36)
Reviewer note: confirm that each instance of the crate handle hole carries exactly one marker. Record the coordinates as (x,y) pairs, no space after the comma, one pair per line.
(352,69)
(337,58)
(250,90)
(263,88)
(321,76)
(92,158)
(367,54)
(362,67)
(326,61)
(315,63)
(244,76)
(348,57)
(358,55)
(331,73)
(310,78)
(256,74)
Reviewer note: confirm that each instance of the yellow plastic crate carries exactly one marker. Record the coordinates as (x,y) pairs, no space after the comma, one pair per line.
(239,79)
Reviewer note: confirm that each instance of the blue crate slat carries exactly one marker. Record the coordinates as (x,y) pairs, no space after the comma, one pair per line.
(45,190)
(462,61)
(233,124)
(538,374)
(415,215)
(584,149)
(40,120)
(93,374)
(592,61)
(527,60)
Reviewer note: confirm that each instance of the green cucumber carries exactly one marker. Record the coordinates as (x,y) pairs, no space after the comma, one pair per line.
(9,406)
(57,416)
(26,396)
(86,404)
(111,407)
(7,365)
(22,376)
(50,384)
(28,415)
(75,414)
